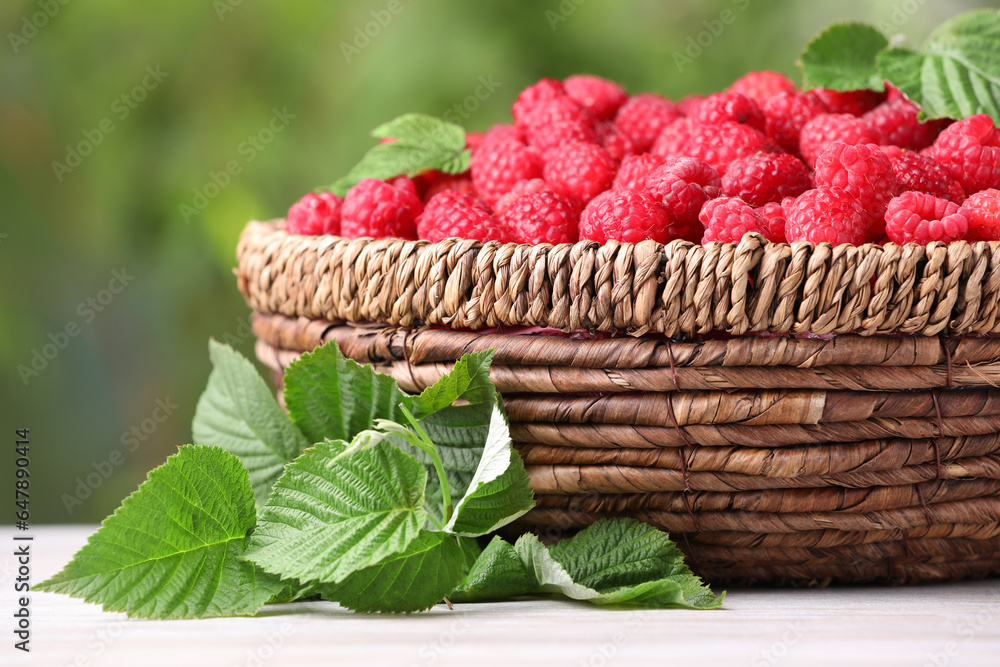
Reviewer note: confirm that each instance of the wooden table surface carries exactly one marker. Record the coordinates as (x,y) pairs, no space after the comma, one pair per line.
(953,624)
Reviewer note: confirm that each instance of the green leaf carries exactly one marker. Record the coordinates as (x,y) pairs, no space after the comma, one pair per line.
(957,73)
(420,143)
(842,57)
(238,412)
(412,580)
(335,512)
(468,381)
(173,549)
(332,397)
(499,491)
(497,574)
(627,561)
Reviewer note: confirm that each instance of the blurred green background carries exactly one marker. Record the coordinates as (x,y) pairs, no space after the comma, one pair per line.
(115,115)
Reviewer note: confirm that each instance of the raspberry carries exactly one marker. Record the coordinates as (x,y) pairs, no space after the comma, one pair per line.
(643,116)
(601,96)
(500,132)
(862,171)
(719,145)
(520,189)
(982,210)
(970,150)
(826,128)
(542,217)
(729,108)
(762,86)
(774,217)
(634,169)
(825,215)
(687,104)
(615,142)
(580,171)
(624,215)
(727,219)
(853,102)
(766,177)
(672,139)
(497,165)
(914,217)
(683,185)
(529,98)
(557,122)
(375,208)
(473,139)
(315,214)
(458,214)
(895,124)
(434,182)
(787,114)
(923,174)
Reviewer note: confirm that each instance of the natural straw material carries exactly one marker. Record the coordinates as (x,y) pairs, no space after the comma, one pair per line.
(637,390)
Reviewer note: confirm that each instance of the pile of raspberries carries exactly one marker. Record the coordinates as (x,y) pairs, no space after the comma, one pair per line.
(583,160)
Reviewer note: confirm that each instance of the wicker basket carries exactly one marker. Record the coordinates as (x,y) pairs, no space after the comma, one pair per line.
(633,387)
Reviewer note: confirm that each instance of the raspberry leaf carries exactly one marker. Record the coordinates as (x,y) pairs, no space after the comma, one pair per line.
(173,549)
(335,512)
(238,412)
(496,574)
(419,143)
(957,72)
(843,57)
(469,381)
(412,580)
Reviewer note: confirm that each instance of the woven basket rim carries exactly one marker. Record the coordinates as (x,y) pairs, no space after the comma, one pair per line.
(678,289)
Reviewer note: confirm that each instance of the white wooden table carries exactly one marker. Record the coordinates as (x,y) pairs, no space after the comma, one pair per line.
(954,625)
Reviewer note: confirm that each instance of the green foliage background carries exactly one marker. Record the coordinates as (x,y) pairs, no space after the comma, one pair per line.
(230,64)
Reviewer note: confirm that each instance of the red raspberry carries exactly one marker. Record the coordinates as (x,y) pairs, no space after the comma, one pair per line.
(673,138)
(687,104)
(500,132)
(854,102)
(825,215)
(729,108)
(970,150)
(895,124)
(826,128)
(615,142)
(473,139)
(914,217)
(766,177)
(375,208)
(545,138)
(982,210)
(434,182)
(634,169)
(580,171)
(315,214)
(542,217)
(719,145)
(529,98)
(762,86)
(774,216)
(520,189)
(497,165)
(643,116)
(727,219)
(862,171)
(624,215)
(458,214)
(787,114)
(601,96)
(683,185)
(918,172)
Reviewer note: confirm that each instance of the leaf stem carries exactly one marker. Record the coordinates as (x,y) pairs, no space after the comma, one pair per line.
(428,446)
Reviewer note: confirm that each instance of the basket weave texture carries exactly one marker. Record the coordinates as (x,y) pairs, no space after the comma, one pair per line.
(870,456)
